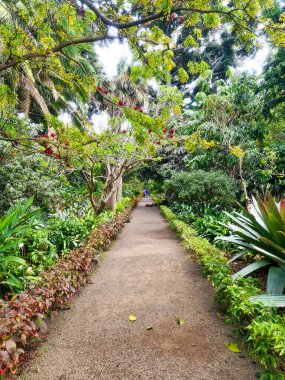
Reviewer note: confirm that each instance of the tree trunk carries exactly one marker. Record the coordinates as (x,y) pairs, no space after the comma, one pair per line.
(120,189)
(112,202)
(243,182)
(92,200)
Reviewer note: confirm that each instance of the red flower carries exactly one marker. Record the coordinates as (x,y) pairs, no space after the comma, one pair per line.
(58,156)
(170,135)
(99,88)
(67,164)
(2,371)
(53,134)
(141,110)
(106,92)
(44,136)
(158,142)
(136,108)
(172,16)
(171,131)
(48,150)
(121,103)
(165,130)
(149,131)
(55,21)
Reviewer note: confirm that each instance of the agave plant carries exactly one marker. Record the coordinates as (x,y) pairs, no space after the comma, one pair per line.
(261,229)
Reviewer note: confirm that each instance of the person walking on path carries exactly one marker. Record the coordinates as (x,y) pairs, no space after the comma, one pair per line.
(146,193)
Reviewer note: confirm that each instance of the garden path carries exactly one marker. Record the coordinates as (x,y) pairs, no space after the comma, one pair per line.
(148,274)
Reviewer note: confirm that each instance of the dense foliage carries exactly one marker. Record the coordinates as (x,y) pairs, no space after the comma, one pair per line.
(200,188)
(181,120)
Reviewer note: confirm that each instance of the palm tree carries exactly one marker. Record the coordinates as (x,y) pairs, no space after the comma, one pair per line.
(42,91)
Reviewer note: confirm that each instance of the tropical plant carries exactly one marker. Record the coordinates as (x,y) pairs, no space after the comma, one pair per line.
(23,175)
(201,189)
(67,232)
(13,227)
(210,226)
(261,229)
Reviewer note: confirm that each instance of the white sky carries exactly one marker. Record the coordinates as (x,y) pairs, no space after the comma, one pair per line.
(254,65)
(110,57)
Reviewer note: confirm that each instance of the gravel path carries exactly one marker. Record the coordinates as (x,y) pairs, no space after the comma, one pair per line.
(148,274)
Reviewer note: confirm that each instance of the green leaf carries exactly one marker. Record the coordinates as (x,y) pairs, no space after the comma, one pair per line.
(233,347)
(14,259)
(275,281)
(251,268)
(269,300)
(180,321)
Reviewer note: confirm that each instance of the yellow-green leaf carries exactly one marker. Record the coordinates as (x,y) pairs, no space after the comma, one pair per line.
(180,321)
(233,347)
(132,318)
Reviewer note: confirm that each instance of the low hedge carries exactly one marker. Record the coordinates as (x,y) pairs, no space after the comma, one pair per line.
(261,327)
(24,315)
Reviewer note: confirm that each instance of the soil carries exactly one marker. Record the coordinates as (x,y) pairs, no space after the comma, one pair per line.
(260,274)
(148,274)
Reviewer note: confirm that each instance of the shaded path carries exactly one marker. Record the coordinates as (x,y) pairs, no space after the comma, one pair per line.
(148,274)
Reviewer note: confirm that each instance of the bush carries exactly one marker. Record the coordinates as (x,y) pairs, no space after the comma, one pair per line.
(67,233)
(132,188)
(24,176)
(200,188)
(123,204)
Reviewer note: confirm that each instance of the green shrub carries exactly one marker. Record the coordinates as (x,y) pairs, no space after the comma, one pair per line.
(40,252)
(67,233)
(18,221)
(23,176)
(132,188)
(155,186)
(210,225)
(123,204)
(200,188)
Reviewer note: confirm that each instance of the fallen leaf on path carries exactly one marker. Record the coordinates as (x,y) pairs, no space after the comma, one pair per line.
(11,346)
(148,328)
(233,347)
(180,321)
(132,318)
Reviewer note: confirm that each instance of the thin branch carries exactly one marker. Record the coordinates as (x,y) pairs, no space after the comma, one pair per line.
(56,49)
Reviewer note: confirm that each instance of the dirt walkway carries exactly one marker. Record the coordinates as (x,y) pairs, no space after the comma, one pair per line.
(148,274)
